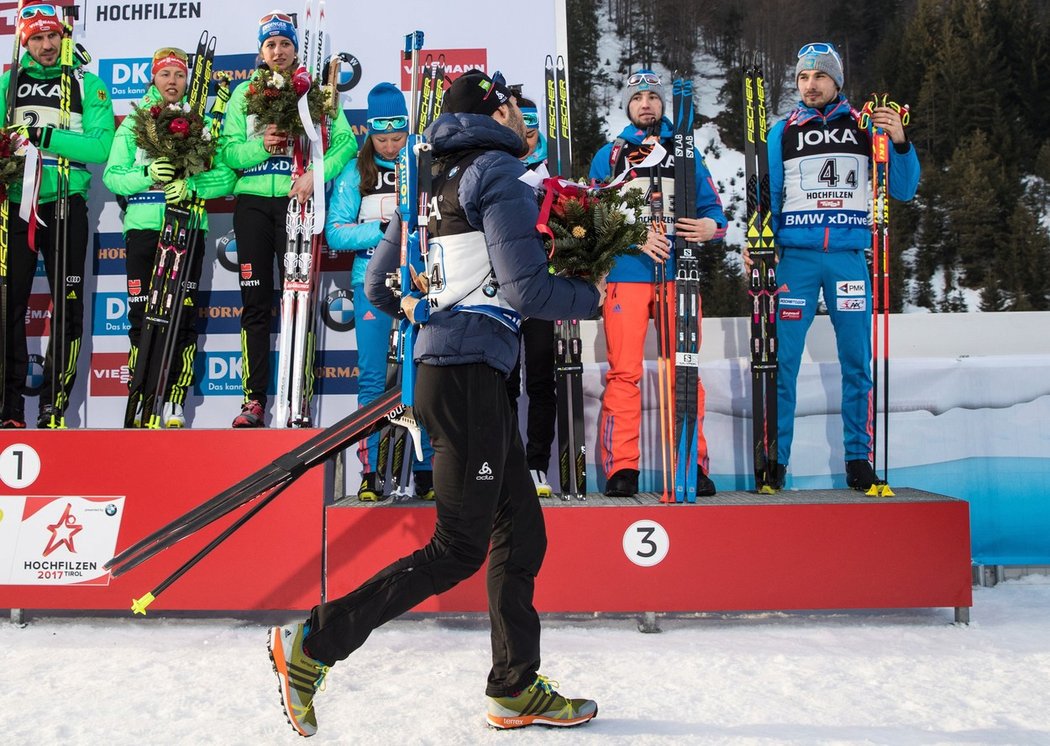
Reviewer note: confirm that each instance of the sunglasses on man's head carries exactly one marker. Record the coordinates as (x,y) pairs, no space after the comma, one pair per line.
(387,123)
(650,78)
(818,48)
(38,10)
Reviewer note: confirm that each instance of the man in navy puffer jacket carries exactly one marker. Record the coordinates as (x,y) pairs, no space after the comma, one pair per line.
(486,269)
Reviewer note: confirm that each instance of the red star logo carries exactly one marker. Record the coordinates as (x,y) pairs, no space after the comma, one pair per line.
(67,526)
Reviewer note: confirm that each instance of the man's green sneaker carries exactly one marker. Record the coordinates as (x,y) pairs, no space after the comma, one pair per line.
(539,704)
(300,677)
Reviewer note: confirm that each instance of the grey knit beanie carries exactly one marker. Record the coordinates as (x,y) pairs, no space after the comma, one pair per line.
(823,57)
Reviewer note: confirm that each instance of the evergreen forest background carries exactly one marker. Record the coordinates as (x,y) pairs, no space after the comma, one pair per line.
(975,73)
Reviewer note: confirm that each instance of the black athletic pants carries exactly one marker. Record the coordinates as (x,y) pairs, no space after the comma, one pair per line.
(259,224)
(141,254)
(537,337)
(486,504)
(21,267)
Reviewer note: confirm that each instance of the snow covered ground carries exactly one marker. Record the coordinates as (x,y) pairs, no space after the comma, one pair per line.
(896,677)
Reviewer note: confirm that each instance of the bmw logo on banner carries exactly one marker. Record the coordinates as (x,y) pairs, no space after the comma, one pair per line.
(338,310)
(35,375)
(226,247)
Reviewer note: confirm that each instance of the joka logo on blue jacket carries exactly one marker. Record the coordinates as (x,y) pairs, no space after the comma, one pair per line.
(109,314)
(129,77)
(220,312)
(109,254)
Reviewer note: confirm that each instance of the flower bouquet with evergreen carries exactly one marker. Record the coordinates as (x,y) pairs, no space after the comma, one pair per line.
(177,133)
(273,97)
(11,164)
(586,227)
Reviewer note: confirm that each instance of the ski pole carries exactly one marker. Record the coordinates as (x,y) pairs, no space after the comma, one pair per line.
(139,605)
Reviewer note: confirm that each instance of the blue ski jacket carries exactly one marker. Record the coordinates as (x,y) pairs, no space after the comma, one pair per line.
(819,178)
(641,268)
(496,203)
(342,229)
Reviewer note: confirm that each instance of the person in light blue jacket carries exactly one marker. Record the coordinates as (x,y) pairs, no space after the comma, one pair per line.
(364,199)
(820,185)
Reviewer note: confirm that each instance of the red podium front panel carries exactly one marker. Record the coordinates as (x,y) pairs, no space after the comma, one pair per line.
(70,499)
(824,549)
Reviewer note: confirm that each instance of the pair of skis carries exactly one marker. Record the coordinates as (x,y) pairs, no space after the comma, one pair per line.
(686,432)
(304,228)
(263,485)
(568,347)
(880,285)
(175,256)
(394,441)
(762,286)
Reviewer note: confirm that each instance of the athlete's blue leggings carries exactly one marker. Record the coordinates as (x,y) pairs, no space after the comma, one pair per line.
(844,277)
(372,327)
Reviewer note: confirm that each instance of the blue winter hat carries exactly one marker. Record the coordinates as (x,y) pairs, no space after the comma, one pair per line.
(822,56)
(643,80)
(386,110)
(277,23)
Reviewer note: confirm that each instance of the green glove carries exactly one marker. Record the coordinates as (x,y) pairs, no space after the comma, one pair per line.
(161,171)
(176,191)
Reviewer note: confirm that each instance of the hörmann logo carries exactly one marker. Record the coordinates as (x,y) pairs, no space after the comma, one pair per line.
(110,254)
(336,372)
(219,312)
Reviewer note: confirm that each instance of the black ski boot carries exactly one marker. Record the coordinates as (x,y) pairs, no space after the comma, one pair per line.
(859,475)
(424,481)
(704,486)
(623,483)
(370,489)
(781,478)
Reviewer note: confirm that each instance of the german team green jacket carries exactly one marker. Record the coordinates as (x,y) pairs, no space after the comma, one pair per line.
(91,124)
(266,175)
(125,175)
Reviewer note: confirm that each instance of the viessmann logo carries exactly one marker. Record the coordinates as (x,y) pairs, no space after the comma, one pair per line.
(457,62)
(109,374)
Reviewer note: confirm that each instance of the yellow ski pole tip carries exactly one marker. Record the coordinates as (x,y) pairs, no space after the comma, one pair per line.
(139,605)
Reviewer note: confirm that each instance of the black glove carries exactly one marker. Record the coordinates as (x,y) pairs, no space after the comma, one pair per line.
(36,135)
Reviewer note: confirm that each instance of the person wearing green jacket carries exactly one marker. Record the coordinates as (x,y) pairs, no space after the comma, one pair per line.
(260,155)
(87,140)
(149,184)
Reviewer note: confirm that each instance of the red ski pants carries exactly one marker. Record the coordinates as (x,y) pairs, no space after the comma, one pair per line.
(628,308)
